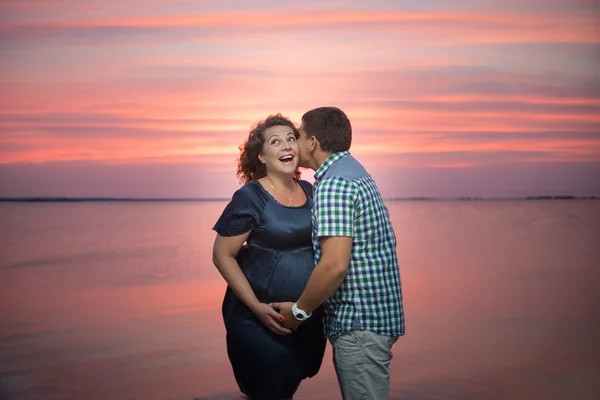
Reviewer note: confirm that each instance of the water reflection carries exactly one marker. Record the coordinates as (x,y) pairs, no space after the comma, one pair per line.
(121,301)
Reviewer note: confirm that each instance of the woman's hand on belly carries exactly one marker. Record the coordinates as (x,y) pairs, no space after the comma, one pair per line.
(271,319)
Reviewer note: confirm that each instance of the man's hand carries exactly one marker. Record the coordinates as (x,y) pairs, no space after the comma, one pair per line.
(271,319)
(285,309)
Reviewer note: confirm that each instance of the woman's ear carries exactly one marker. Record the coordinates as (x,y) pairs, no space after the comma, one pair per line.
(261,158)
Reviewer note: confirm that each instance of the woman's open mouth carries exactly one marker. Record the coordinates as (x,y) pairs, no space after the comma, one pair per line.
(287,160)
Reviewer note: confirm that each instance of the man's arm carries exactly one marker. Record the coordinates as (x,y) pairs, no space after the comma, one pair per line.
(324,280)
(329,272)
(335,214)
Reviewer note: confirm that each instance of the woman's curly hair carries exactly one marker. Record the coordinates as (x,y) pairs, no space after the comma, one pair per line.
(249,167)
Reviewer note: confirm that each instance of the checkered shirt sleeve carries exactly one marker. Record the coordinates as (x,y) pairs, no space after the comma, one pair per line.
(335,207)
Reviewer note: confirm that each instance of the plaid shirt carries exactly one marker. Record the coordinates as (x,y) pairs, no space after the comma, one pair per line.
(348,203)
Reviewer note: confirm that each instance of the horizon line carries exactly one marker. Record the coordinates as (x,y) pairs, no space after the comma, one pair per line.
(209,199)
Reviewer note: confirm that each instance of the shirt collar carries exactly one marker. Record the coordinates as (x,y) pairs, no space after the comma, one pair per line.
(328,162)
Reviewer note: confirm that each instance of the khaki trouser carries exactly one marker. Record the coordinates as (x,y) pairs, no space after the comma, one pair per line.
(362,364)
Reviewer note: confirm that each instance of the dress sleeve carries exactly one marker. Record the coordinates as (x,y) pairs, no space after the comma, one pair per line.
(241,215)
(334,207)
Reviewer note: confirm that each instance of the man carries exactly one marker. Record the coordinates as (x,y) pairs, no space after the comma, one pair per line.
(356,276)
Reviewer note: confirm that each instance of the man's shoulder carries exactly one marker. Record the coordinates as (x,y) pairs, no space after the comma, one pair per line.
(336,183)
(347,168)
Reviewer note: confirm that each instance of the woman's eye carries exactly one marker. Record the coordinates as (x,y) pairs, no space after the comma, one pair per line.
(275,141)
(292,139)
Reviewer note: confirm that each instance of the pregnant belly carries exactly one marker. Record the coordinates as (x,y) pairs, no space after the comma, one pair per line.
(284,278)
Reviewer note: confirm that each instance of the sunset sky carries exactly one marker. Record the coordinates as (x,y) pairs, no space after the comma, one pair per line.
(149,98)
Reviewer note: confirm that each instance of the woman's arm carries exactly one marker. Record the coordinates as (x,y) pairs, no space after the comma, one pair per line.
(225,250)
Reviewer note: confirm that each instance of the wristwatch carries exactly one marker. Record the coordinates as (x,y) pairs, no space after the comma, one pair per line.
(299,314)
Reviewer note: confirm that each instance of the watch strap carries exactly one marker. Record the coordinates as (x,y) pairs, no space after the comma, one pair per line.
(299,314)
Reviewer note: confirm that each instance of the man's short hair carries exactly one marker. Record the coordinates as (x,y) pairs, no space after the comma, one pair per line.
(330,126)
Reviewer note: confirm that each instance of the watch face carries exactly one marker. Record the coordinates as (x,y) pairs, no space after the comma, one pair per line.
(299,316)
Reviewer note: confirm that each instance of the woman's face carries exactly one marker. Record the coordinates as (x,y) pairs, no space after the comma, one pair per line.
(280,150)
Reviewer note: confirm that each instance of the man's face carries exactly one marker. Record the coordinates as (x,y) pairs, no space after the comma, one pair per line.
(304,148)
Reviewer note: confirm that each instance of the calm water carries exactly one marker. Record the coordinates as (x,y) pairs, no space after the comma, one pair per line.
(121,301)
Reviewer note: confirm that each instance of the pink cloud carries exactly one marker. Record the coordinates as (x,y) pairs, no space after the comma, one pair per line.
(181,85)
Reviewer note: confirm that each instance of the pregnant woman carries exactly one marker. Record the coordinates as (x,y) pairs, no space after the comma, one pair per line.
(263,250)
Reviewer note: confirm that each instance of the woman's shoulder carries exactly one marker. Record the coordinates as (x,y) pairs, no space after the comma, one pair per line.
(250,192)
(242,213)
(249,188)
(307,187)
(305,184)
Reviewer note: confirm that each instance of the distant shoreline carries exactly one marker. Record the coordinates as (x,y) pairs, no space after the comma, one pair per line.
(118,199)
(102,199)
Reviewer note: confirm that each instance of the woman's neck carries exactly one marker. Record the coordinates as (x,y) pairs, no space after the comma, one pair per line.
(281,182)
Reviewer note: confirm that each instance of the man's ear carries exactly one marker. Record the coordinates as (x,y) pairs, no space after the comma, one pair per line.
(313,143)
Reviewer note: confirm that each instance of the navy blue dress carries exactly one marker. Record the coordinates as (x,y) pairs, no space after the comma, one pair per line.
(277,260)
